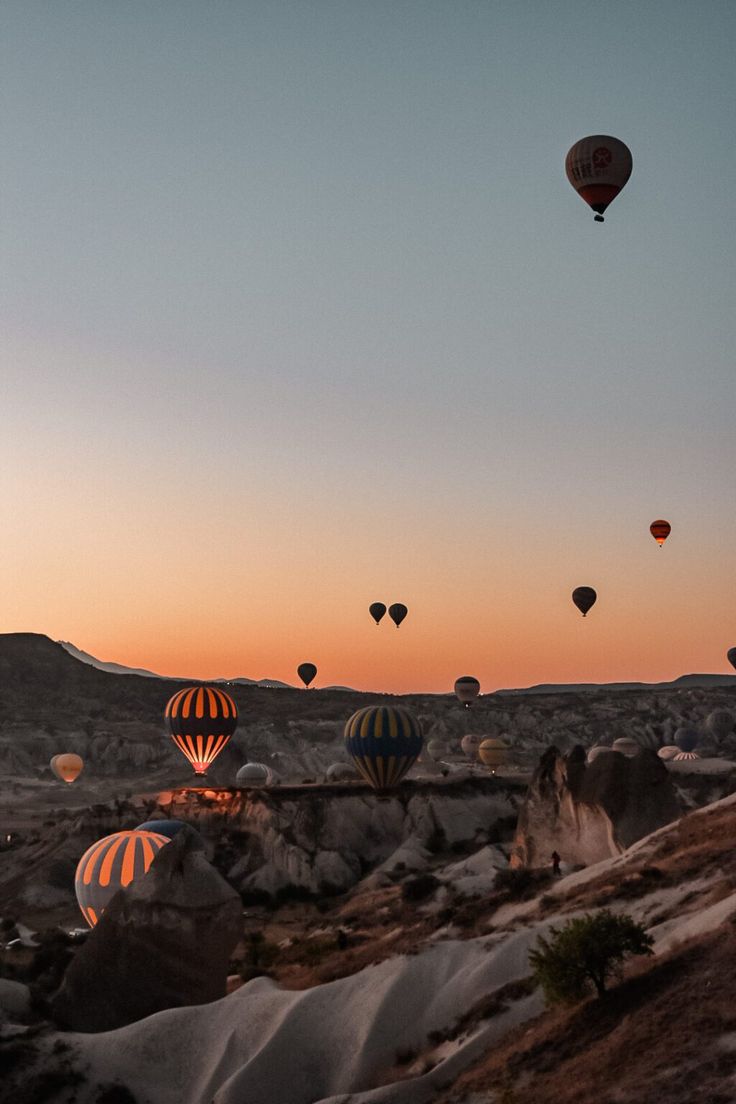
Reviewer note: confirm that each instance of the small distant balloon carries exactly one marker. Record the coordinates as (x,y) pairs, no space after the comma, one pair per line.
(397,612)
(584,598)
(201,720)
(493,752)
(377,610)
(720,723)
(731,656)
(470,744)
(598,167)
(306,672)
(686,739)
(467,689)
(254,774)
(437,750)
(67,767)
(660,530)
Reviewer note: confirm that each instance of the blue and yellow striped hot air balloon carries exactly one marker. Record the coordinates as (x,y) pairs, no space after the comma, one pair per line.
(201,720)
(110,864)
(384,741)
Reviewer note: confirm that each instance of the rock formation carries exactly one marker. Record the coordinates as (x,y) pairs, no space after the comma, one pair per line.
(163,942)
(591,811)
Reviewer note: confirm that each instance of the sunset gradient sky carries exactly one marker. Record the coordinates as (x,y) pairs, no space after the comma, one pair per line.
(299,312)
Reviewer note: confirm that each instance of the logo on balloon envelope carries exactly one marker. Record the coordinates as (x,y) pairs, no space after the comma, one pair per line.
(602,157)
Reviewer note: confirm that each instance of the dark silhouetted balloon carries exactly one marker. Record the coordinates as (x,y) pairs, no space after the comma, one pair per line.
(397,612)
(720,723)
(306,672)
(467,689)
(383,741)
(598,168)
(67,766)
(687,739)
(109,865)
(584,598)
(377,610)
(201,721)
(731,656)
(660,530)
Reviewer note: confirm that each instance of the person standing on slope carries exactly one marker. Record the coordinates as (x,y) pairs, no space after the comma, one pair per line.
(556,864)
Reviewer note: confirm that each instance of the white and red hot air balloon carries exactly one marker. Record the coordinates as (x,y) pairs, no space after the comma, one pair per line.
(598,168)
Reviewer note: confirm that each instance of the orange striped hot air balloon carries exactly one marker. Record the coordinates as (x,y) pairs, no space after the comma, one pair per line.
(201,720)
(598,168)
(660,530)
(110,864)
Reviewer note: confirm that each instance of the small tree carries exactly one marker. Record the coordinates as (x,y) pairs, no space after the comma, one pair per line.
(588,950)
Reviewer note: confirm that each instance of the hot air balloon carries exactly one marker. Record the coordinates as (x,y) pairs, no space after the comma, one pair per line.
(253,774)
(493,752)
(340,772)
(687,739)
(660,530)
(598,168)
(397,612)
(720,723)
(306,672)
(110,864)
(467,689)
(376,610)
(383,741)
(470,744)
(201,720)
(731,656)
(626,746)
(437,750)
(171,828)
(584,598)
(67,766)
(668,751)
(598,750)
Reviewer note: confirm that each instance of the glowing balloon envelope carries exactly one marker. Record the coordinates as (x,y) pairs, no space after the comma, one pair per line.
(306,672)
(626,746)
(467,689)
(67,766)
(584,598)
(598,167)
(397,612)
(660,530)
(377,610)
(201,721)
(668,751)
(111,864)
(383,741)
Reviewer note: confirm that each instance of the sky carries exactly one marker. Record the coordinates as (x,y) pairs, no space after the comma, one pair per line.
(299,312)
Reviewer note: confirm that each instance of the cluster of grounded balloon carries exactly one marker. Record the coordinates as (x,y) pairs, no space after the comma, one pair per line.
(397,612)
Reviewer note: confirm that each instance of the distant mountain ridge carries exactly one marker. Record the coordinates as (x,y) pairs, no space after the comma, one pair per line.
(121,669)
(683,682)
